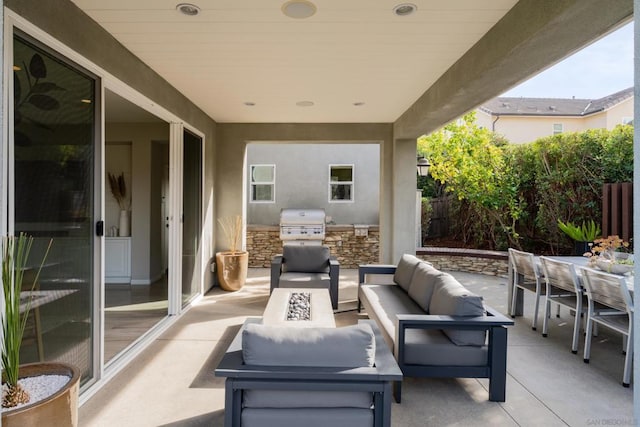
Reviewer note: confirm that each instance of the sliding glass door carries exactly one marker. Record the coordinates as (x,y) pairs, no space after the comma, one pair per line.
(53,164)
(192,215)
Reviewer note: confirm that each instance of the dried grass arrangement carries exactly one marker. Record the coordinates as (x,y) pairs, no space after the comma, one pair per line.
(232,229)
(119,190)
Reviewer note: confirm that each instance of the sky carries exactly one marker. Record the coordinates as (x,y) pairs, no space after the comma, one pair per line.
(600,69)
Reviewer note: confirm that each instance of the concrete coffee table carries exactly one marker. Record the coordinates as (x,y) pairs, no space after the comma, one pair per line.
(275,314)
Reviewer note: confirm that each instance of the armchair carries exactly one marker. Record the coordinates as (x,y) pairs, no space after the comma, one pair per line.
(306,267)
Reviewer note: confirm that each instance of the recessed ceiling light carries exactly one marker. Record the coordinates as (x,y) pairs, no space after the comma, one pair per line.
(188,9)
(304,103)
(299,9)
(249,104)
(405,9)
(358,104)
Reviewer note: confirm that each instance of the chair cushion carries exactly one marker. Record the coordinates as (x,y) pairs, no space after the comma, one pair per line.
(306,399)
(422,284)
(404,270)
(453,299)
(349,346)
(306,259)
(308,417)
(304,280)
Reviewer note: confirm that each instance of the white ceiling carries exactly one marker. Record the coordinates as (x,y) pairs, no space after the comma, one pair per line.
(350,51)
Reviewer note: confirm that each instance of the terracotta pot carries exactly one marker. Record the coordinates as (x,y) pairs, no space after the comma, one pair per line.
(232,269)
(59,409)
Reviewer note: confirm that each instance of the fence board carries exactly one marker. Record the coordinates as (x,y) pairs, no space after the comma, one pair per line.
(617,210)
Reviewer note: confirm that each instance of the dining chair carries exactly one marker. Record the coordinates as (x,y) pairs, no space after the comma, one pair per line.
(526,276)
(563,287)
(611,291)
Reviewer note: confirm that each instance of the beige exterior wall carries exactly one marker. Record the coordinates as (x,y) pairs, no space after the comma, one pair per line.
(522,129)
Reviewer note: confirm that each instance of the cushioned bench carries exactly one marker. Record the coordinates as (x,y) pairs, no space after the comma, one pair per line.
(435,326)
(335,376)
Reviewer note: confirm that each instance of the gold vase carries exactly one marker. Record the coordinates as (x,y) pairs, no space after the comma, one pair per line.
(232,269)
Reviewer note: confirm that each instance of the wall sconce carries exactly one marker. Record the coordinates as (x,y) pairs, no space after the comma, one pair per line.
(423,166)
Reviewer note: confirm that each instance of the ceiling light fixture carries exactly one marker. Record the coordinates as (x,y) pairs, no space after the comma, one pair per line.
(405,9)
(299,9)
(188,9)
(305,104)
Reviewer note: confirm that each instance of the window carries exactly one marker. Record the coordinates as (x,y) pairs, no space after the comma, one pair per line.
(558,128)
(263,183)
(341,183)
(627,120)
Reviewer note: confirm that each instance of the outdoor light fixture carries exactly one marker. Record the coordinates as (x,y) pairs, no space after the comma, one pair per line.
(299,9)
(188,9)
(423,166)
(405,9)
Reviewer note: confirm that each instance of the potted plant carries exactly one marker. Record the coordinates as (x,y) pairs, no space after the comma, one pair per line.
(582,235)
(58,405)
(611,255)
(118,187)
(232,265)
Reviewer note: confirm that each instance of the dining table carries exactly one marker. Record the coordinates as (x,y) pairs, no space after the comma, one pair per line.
(578,261)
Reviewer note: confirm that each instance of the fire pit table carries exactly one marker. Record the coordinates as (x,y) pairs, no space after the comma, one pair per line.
(288,307)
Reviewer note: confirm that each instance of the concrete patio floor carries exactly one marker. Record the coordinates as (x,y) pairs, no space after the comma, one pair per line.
(172,382)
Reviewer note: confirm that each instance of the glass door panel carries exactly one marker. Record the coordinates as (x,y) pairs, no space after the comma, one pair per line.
(192,215)
(54,161)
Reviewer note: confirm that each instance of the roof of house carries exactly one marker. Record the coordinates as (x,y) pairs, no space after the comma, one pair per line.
(553,106)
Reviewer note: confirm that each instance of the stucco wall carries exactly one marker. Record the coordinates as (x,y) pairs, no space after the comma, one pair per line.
(302,180)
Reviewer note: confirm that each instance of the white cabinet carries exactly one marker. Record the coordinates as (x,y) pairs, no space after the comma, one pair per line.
(117,255)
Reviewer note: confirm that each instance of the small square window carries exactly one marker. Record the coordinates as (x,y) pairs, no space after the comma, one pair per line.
(340,183)
(558,128)
(263,181)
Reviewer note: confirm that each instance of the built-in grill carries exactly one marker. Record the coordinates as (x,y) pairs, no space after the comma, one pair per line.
(302,226)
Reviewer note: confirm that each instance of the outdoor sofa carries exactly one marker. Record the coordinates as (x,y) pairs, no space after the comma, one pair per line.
(435,326)
(286,376)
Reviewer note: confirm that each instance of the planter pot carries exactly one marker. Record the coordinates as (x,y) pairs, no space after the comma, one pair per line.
(59,409)
(580,248)
(232,270)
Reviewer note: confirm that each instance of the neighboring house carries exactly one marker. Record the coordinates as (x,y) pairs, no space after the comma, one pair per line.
(342,179)
(523,120)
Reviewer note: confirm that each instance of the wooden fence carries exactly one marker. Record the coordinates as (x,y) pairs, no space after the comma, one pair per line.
(617,210)
(439,225)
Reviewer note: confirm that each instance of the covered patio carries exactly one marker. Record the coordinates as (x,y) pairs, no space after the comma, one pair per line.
(172,384)
(243,73)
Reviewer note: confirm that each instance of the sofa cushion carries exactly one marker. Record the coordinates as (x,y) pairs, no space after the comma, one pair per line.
(404,270)
(304,280)
(306,259)
(453,299)
(282,346)
(433,348)
(383,303)
(422,284)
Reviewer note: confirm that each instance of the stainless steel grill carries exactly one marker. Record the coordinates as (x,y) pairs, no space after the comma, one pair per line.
(302,226)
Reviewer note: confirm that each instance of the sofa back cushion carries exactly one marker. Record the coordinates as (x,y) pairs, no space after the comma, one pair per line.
(306,259)
(453,299)
(349,346)
(422,284)
(404,270)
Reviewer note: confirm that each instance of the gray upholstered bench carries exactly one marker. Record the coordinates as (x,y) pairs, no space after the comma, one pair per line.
(435,326)
(280,376)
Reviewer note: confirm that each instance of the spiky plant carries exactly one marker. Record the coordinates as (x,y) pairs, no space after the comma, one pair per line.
(15,255)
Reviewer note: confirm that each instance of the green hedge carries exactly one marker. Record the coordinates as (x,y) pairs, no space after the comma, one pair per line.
(557,177)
